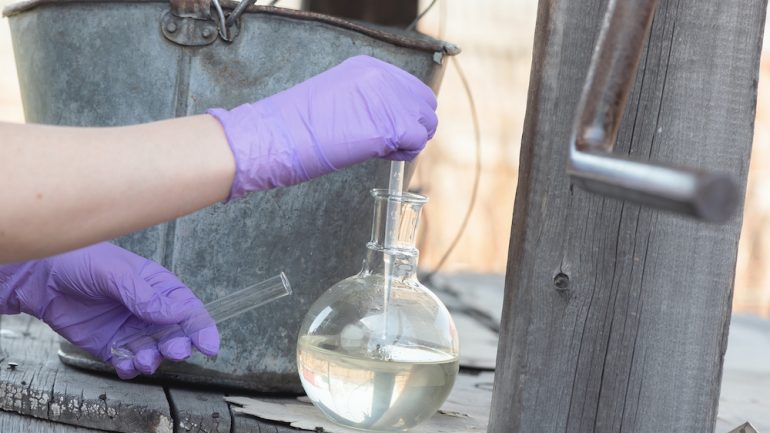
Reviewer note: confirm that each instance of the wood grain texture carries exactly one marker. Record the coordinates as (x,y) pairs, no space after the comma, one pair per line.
(248,424)
(634,340)
(744,394)
(478,345)
(465,411)
(475,302)
(41,387)
(477,295)
(198,411)
(14,423)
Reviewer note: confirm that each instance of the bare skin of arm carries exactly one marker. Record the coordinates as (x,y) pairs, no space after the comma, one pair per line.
(62,188)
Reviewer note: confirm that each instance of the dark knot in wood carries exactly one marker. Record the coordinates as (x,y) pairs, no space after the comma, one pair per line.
(561,281)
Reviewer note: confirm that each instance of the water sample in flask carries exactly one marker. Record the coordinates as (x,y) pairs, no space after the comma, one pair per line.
(378,351)
(224,308)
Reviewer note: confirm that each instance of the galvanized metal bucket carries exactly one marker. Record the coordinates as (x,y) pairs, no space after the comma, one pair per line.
(101,63)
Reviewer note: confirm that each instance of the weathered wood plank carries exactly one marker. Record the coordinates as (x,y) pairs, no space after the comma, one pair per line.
(42,387)
(14,423)
(198,411)
(746,427)
(82,398)
(482,292)
(633,335)
(466,410)
(475,301)
(25,388)
(478,345)
(243,423)
(478,295)
(745,392)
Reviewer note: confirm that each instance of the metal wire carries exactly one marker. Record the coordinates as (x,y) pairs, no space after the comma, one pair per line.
(477,171)
(476,134)
(413,24)
(236,13)
(222,22)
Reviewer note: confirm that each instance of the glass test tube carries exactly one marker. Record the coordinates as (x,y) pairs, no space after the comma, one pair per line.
(224,308)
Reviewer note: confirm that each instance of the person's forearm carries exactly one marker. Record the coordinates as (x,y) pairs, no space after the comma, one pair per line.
(64,188)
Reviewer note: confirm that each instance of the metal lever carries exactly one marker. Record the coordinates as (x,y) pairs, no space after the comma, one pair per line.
(708,196)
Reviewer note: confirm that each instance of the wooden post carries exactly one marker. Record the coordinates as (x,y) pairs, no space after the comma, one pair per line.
(615,316)
(396,13)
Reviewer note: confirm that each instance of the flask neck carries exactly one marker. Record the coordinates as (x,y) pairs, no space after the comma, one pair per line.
(402,266)
(394,230)
(394,223)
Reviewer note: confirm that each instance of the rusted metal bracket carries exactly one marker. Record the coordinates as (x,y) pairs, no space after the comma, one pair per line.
(592,166)
(188,31)
(190,23)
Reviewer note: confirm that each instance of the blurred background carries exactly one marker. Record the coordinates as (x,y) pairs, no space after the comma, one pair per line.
(496,39)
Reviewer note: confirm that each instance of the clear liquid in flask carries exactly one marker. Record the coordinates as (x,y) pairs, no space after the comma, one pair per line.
(363,392)
(378,351)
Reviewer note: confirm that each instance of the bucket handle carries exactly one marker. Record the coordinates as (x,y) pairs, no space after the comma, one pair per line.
(237,12)
(190,22)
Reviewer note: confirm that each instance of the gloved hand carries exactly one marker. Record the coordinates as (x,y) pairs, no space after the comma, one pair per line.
(98,294)
(360,109)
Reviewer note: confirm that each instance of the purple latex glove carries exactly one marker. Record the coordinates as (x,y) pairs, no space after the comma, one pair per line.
(360,109)
(99,294)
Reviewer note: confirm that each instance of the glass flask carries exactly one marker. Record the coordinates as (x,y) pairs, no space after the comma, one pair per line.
(379,351)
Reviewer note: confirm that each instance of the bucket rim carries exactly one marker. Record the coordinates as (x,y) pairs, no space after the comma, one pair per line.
(395,36)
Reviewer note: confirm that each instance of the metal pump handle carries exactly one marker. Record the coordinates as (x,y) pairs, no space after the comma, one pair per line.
(592,166)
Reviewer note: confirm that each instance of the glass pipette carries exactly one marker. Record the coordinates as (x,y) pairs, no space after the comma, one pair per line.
(224,308)
(395,188)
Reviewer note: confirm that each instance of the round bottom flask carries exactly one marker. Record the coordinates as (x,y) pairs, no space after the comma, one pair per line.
(379,351)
